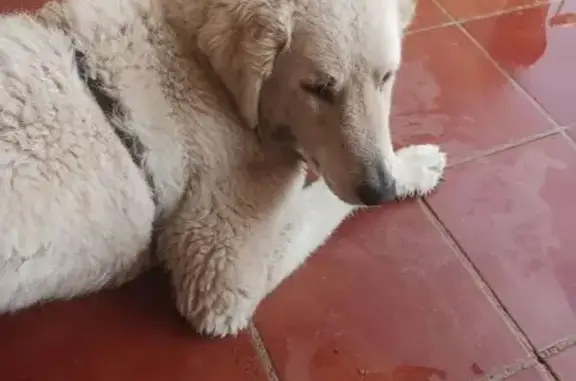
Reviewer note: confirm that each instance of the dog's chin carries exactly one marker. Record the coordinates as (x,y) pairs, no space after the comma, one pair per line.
(345,198)
(316,173)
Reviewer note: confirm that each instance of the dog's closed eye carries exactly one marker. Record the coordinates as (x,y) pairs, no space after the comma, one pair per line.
(383,79)
(325,91)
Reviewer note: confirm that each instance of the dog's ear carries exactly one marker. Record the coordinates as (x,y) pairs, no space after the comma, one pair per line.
(242,39)
(407,8)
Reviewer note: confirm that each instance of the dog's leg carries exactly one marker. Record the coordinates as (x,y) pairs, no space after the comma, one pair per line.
(313,218)
(221,273)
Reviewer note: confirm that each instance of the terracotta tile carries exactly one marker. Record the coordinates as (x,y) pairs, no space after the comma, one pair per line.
(536,47)
(462,10)
(18,5)
(448,92)
(131,334)
(513,215)
(385,299)
(427,15)
(564,364)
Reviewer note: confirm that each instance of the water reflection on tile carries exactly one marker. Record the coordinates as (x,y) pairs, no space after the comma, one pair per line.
(513,214)
(449,93)
(536,47)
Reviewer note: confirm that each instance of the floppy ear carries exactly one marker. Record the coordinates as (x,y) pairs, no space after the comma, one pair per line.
(407,8)
(242,39)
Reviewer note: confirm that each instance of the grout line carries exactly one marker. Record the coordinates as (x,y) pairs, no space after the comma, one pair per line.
(262,353)
(557,347)
(510,370)
(569,139)
(454,21)
(477,277)
(431,27)
(547,372)
(555,128)
(537,358)
(484,286)
(518,367)
(505,11)
(504,147)
(474,271)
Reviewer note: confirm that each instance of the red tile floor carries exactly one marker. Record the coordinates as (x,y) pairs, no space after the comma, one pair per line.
(476,282)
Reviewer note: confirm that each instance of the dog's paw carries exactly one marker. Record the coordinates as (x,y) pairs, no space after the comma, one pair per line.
(219,319)
(418,170)
(216,311)
(221,325)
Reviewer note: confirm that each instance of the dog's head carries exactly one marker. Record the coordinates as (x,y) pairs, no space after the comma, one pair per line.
(321,71)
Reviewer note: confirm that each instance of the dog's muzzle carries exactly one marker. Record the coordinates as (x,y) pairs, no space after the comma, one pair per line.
(377,186)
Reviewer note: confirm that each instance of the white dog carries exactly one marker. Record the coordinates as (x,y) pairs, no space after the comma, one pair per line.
(189,124)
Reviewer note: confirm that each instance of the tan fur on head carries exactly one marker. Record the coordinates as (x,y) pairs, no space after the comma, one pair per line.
(243,56)
(275,48)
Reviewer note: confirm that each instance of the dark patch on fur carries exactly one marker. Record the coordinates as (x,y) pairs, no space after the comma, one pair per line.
(283,133)
(116,115)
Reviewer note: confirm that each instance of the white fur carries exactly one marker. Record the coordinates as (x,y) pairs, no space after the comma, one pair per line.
(418,169)
(233,219)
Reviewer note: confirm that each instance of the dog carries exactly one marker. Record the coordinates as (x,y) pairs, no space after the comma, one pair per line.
(178,133)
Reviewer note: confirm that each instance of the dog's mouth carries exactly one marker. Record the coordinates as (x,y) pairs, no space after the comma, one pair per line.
(284,135)
(310,161)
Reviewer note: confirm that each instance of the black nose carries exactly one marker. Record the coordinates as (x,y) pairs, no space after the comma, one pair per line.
(377,187)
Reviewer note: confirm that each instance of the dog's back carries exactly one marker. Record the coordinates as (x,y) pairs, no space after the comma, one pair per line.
(68,188)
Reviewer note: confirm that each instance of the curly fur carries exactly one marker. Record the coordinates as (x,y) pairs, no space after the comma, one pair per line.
(205,83)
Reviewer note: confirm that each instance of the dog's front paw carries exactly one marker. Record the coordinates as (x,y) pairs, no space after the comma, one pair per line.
(229,323)
(418,169)
(218,303)
(225,315)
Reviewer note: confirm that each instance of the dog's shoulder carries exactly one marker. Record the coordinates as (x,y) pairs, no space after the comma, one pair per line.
(35,62)
(177,106)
